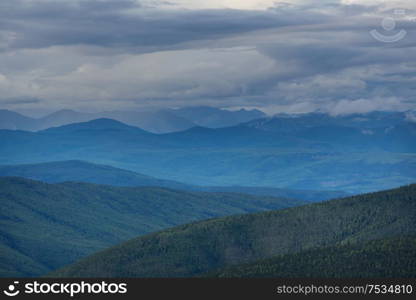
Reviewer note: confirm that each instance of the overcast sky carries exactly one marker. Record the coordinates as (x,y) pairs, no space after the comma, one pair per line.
(280,56)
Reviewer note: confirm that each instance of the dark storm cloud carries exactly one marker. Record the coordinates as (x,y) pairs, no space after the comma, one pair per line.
(290,57)
(126,23)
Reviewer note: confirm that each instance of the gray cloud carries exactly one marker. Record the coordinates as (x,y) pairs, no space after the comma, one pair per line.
(122,54)
(125,24)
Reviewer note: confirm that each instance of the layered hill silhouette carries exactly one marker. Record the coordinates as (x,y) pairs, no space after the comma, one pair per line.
(156,120)
(342,228)
(45,226)
(355,154)
(81,171)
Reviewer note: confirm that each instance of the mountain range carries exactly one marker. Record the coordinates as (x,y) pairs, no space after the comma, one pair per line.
(155,121)
(211,117)
(81,171)
(45,226)
(376,229)
(356,154)
(73,186)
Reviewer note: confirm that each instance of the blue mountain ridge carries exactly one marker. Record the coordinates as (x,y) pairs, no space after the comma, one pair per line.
(335,153)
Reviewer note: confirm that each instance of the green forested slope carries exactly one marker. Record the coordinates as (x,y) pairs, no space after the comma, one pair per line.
(197,248)
(386,258)
(45,226)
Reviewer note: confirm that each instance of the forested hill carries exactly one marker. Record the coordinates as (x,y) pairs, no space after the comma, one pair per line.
(46,226)
(385,258)
(198,248)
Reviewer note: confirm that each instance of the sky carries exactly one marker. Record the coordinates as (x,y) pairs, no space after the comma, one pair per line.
(292,56)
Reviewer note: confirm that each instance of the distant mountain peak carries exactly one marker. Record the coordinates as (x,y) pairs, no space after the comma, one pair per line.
(96,124)
(11,113)
(106,123)
(14,121)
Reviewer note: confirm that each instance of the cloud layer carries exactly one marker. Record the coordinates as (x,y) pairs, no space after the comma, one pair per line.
(294,56)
